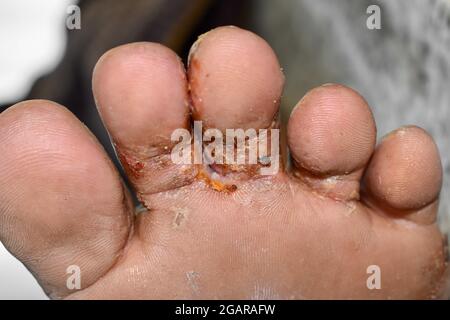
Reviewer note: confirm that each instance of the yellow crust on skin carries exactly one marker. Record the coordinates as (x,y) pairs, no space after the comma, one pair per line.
(216,185)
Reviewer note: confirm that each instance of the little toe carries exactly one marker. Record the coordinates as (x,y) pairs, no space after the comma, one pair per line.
(405,174)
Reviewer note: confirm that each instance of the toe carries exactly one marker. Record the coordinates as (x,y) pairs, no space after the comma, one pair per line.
(62,203)
(405,172)
(331,136)
(141,94)
(235,84)
(235,80)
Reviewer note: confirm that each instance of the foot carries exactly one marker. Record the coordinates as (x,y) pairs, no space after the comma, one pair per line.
(344,220)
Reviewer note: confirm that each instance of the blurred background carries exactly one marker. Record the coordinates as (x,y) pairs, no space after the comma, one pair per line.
(402,69)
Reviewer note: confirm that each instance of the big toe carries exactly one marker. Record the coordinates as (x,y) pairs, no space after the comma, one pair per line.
(63,207)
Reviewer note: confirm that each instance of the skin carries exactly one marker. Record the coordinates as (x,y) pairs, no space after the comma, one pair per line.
(309,231)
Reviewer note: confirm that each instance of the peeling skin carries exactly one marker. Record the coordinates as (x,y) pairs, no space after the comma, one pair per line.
(247,171)
(180,216)
(351,208)
(330,183)
(135,165)
(195,47)
(215,184)
(131,166)
(340,188)
(194,68)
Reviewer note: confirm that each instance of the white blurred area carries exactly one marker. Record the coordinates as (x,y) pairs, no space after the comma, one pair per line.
(32,42)
(16,282)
